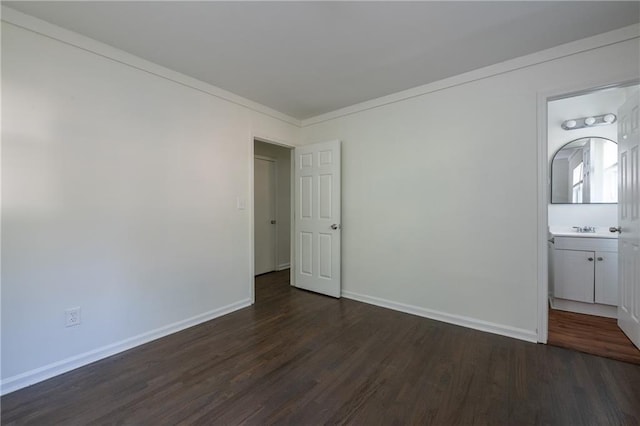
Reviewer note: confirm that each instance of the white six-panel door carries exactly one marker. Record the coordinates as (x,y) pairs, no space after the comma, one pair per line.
(317,218)
(629,217)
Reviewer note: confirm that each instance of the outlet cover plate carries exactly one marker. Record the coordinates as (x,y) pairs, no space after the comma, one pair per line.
(72,317)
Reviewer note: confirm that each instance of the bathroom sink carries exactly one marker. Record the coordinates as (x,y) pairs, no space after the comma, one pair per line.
(600,232)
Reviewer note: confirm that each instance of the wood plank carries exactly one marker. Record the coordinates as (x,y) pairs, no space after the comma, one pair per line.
(591,334)
(300,358)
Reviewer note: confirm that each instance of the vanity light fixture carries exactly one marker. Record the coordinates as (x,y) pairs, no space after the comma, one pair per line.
(596,120)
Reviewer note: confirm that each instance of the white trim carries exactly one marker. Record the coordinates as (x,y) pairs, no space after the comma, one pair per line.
(596,309)
(292,216)
(557,52)
(36,375)
(265,158)
(274,141)
(503,330)
(542,221)
(252,218)
(544,181)
(251,207)
(283,266)
(277,195)
(87,44)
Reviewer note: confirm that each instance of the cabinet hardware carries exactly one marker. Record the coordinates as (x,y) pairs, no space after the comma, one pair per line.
(601,259)
(591,259)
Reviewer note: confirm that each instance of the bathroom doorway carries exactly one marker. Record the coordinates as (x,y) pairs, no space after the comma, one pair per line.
(583,265)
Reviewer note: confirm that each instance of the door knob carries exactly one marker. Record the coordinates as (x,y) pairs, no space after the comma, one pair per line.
(615,229)
(335,226)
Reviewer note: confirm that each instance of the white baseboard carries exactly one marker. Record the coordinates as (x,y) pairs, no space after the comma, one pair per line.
(283,266)
(503,330)
(596,309)
(36,375)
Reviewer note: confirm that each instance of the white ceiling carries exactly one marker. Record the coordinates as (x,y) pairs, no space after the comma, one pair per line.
(308,58)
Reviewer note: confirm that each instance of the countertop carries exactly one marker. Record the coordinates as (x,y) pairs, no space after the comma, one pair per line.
(565,231)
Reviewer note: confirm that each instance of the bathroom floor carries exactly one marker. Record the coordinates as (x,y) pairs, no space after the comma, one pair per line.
(591,334)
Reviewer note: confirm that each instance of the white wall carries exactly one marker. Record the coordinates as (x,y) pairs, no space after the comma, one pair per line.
(283,194)
(119,191)
(440,192)
(567,215)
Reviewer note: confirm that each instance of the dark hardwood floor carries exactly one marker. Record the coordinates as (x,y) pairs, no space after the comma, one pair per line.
(301,358)
(591,334)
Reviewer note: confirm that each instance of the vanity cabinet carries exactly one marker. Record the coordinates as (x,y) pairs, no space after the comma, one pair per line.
(586,270)
(606,279)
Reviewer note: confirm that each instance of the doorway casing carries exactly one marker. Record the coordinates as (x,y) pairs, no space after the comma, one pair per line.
(543,184)
(251,207)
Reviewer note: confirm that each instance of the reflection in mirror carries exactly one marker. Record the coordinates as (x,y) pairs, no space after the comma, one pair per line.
(585,171)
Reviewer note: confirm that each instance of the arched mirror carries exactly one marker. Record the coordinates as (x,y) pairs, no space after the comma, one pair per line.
(585,171)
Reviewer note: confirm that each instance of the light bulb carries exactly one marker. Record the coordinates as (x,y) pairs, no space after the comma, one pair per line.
(570,124)
(609,118)
(589,121)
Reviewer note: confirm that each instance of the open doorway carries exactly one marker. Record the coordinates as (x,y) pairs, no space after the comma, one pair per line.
(272,208)
(584,185)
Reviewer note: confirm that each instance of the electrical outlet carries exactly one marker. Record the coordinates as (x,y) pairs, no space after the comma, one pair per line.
(241,203)
(72,317)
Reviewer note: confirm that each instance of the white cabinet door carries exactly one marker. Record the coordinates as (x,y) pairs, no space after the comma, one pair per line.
(317,218)
(574,275)
(606,285)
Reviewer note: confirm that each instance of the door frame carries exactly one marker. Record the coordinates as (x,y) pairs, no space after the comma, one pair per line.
(251,208)
(543,180)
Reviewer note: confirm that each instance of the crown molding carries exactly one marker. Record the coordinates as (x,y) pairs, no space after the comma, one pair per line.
(583,45)
(71,38)
(55,32)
